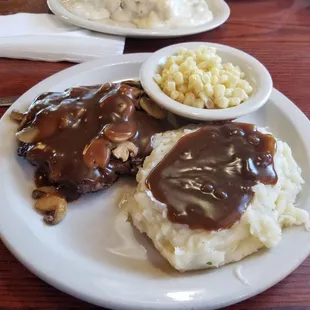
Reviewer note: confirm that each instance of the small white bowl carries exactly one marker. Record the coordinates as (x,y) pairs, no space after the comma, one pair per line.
(257,75)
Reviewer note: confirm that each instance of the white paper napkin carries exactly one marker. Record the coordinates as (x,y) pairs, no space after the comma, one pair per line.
(45,37)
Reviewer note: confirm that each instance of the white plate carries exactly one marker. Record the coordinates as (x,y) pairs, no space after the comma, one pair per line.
(93,253)
(219,9)
(255,72)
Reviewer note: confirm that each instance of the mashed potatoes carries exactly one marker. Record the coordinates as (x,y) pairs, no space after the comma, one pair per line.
(271,209)
(142,13)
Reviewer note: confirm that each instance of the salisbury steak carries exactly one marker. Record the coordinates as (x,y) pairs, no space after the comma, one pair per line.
(81,140)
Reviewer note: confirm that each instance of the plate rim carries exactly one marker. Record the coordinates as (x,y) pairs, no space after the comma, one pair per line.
(121,303)
(56,7)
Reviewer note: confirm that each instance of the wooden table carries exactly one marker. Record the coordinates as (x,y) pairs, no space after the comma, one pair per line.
(277,32)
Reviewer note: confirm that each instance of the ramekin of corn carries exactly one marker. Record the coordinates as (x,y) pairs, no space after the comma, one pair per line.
(206,81)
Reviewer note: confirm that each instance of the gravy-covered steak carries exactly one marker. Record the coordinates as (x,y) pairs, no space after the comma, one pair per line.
(81,140)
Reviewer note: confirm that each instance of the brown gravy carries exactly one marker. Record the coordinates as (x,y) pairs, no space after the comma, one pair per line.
(69,121)
(206,180)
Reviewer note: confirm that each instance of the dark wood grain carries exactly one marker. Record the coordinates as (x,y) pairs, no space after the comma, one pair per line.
(277,32)
(23,6)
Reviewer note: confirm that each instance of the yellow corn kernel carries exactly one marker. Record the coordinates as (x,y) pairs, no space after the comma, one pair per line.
(203,96)
(214,80)
(158,79)
(203,65)
(169,62)
(228,92)
(223,78)
(239,93)
(198,103)
(170,86)
(234,101)
(189,99)
(181,97)
(222,102)
(219,91)
(248,90)
(173,68)
(208,90)
(178,78)
(182,88)
(174,94)
(182,51)
(206,78)
(198,87)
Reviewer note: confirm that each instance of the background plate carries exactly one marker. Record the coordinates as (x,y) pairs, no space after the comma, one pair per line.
(219,9)
(96,256)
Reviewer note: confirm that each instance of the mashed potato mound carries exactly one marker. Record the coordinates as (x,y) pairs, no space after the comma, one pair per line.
(271,209)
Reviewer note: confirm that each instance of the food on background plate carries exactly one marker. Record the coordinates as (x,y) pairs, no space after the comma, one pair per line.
(142,13)
(83,139)
(200,79)
(212,195)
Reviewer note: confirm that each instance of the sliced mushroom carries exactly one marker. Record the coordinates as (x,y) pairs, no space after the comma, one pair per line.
(75,92)
(42,191)
(149,106)
(27,135)
(117,108)
(133,83)
(136,94)
(136,91)
(17,115)
(23,122)
(121,131)
(105,87)
(97,153)
(124,150)
(54,205)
